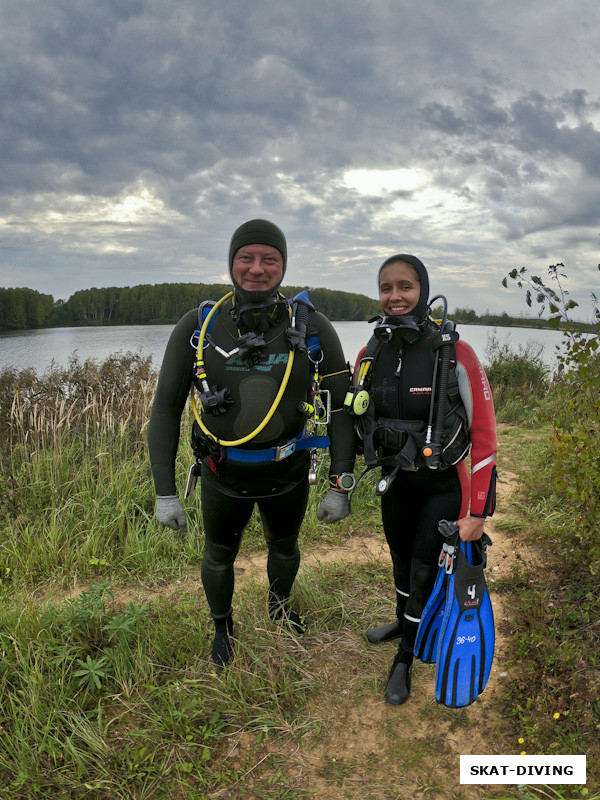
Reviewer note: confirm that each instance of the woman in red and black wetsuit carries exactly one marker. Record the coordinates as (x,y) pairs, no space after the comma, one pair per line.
(400,388)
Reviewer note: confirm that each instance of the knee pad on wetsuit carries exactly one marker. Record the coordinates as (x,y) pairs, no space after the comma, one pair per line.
(284,548)
(401,569)
(217,557)
(421,584)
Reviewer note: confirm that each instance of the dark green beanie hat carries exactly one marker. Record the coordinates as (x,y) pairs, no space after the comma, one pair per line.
(258,231)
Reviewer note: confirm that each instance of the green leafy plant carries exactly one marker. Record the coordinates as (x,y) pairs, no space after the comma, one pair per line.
(576,416)
(555,302)
(92,672)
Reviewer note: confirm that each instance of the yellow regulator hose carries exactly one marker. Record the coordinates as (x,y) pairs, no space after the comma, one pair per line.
(276,401)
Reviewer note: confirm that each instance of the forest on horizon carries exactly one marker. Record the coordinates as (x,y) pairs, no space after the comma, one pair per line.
(165,303)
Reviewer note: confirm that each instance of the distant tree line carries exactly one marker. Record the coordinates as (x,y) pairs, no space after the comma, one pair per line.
(165,303)
(25,308)
(466,316)
(160,304)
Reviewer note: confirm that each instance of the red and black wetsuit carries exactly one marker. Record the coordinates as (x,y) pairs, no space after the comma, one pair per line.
(416,500)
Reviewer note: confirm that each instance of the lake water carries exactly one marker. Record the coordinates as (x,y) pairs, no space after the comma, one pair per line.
(39,348)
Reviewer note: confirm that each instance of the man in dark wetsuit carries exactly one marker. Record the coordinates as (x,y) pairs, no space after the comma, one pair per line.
(250,352)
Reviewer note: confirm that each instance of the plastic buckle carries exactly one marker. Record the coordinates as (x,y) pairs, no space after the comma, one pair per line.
(284,450)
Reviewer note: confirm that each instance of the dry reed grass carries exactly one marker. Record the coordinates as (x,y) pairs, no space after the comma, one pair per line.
(85,398)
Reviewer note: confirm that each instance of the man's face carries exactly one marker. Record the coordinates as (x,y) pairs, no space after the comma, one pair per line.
(257,267)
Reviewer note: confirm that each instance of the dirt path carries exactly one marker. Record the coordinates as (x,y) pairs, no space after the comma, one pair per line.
(378,738)
(357,548)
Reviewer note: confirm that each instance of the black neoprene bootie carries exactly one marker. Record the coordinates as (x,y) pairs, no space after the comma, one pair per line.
(397,690)
(222,648)
(280,612)
(385,633)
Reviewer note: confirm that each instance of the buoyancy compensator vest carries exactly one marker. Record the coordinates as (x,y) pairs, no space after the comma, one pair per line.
(409,444)
(302,336)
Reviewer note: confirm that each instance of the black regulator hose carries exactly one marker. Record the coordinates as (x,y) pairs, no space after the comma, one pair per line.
(439,389)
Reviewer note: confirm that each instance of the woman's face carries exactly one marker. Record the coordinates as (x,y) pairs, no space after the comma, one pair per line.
(399,288)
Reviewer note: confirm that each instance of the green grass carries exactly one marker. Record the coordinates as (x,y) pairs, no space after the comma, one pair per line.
(106,686)
(551,793)
(96,695)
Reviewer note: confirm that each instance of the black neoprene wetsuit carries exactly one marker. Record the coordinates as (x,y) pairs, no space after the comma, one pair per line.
(416,501)
(229,488)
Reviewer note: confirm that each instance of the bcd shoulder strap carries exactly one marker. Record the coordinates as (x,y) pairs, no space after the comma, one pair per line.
(204,310)
(409,444)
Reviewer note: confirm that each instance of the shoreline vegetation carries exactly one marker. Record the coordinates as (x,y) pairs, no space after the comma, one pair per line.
(106,687)
(163,304)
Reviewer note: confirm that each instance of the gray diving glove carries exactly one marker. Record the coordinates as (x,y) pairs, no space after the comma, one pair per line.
(333,507)
(169,512)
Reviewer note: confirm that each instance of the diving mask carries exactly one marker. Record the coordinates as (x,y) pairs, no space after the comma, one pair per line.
(406,328)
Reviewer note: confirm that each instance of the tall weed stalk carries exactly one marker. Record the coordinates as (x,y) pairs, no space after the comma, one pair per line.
(75,476)
(519,380)
(575,406)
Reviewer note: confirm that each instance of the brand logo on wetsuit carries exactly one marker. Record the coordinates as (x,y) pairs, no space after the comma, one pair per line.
(486,389)
(420,390)
(237,364)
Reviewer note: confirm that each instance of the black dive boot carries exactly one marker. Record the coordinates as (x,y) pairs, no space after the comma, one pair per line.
(222,649)
(398,685)
(393,630)
(281,613)
(385,633)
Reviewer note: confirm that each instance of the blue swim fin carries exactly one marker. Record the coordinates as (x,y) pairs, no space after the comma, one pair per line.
(427,640)
(466,637)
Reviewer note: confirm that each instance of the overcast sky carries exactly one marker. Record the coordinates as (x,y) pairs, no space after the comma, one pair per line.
(136,135)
